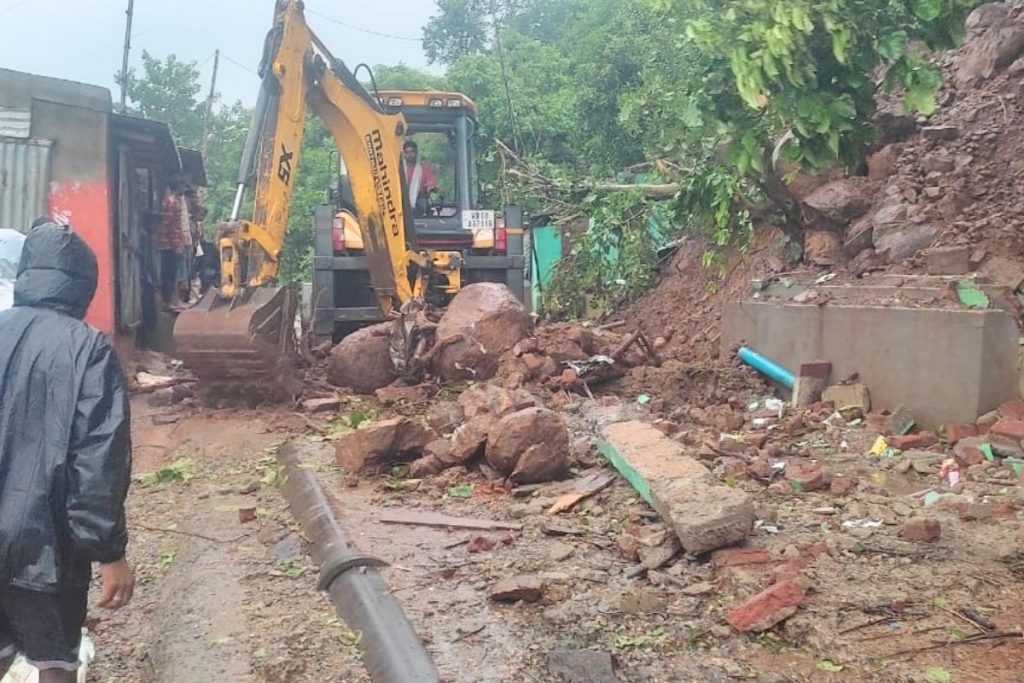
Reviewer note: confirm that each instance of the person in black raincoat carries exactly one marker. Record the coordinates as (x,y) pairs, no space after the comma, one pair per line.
(65,457)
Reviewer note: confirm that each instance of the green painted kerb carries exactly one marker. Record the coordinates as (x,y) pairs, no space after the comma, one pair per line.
(626,470)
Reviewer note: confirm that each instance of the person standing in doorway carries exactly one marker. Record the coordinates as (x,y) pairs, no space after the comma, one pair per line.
(169,241)
(65,458)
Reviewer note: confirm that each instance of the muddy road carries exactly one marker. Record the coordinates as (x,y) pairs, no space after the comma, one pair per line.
(227,592)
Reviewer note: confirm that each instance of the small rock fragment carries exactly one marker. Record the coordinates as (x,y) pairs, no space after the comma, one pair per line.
(525,587)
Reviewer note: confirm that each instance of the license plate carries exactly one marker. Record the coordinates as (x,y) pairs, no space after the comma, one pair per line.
(478,220)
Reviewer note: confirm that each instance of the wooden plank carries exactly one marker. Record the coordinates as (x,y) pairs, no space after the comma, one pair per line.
(583,489)
(436,519)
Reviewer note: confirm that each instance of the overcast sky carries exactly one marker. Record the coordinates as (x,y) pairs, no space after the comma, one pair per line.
(82,40)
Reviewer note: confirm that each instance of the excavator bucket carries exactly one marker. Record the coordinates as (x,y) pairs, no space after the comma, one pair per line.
(242,346)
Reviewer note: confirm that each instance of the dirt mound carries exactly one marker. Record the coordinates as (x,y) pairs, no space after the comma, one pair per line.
(942,197)
(682,314)
(361,361)
(483,322)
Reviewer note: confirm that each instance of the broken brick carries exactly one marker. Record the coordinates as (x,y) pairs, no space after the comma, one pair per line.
(768,608)
(922,530)
(739,557)
(957,432)
(1004,509)
(910,442)
(807,476)
(968,451)
(1012,410)
(1013,429)
(878,423)
(842,485)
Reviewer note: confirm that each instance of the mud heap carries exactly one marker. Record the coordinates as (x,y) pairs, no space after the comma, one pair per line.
(939,196)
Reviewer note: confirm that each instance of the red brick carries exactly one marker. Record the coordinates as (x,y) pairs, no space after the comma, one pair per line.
(809,476)
(843,485)
(769,607)
(957,432)
(1004,509)
(738,557)
(912,442)
(921,529)
(1012,410)
(968,455)
(878,423)
(1013,429)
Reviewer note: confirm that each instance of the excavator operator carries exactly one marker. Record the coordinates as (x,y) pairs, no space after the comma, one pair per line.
(419,177)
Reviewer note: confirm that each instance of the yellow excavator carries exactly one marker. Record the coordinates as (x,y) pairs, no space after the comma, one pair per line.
(244,332)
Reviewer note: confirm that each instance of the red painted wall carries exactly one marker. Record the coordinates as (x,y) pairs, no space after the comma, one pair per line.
(85,206)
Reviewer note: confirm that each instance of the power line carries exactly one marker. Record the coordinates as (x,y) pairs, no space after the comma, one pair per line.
(238,64)
(363,30)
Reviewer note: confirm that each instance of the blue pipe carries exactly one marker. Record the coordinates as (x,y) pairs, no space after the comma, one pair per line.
(767,367)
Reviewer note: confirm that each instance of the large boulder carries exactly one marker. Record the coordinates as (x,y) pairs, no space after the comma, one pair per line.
(841,201)
(483,321)
(382,444)
(361,361)
(530,446)
(995,39)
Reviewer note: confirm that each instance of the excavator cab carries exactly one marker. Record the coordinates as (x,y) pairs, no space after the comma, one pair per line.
(465,242)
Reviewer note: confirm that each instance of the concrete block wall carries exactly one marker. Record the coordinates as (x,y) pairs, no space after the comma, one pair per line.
(944,365)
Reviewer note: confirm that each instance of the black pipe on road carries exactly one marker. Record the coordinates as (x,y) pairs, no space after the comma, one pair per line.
(392,652)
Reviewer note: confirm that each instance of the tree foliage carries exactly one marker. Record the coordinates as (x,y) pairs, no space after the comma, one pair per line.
(705,94)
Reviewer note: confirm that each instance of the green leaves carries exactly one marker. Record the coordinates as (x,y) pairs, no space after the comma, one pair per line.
(927,10)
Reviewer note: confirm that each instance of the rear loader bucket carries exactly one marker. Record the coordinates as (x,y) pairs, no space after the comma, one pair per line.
(241,346)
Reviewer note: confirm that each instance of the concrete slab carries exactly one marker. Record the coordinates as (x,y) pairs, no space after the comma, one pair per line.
(943,365)
(704,514)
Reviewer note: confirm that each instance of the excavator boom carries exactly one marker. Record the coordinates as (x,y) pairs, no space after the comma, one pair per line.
(241,336)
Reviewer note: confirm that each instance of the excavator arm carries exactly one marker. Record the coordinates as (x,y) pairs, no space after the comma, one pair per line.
(242,333)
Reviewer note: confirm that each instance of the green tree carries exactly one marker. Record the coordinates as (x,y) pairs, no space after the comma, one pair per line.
(167,90)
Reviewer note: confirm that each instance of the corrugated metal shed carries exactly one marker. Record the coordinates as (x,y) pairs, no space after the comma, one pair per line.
(15,123)
(24,182)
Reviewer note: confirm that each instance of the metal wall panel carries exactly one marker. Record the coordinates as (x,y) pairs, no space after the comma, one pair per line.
(15,123)
(24,182)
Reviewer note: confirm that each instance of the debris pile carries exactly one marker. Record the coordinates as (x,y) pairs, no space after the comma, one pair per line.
(518,439)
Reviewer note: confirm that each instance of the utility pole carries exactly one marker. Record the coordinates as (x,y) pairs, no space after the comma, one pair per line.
(124,62)
(209,102)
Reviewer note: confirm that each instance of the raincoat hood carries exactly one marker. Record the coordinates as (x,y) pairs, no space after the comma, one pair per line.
(57,271)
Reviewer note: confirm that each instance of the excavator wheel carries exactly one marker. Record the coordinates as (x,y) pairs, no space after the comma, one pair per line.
(242,347)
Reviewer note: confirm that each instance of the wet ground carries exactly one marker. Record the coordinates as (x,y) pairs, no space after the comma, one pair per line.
(223,599)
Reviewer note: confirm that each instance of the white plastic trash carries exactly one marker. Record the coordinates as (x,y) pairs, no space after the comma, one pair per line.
(23,672)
